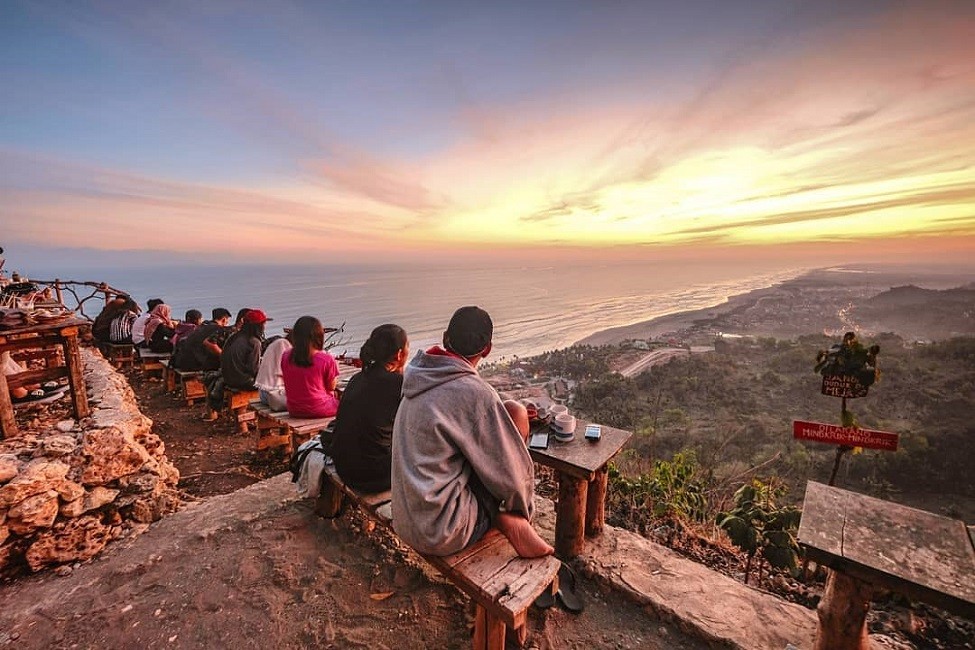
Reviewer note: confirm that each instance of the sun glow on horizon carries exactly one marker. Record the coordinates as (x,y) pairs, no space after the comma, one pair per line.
(837,129)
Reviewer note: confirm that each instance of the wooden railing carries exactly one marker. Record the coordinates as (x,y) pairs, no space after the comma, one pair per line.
(77,295)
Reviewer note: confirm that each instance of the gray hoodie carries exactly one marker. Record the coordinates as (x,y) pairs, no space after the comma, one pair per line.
(452,424)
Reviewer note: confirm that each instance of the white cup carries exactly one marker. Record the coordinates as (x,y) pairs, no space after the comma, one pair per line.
(565,423)
(558,409)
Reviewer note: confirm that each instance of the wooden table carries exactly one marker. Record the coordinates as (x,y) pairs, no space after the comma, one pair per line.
(62,334)
(582,470)
(874,544)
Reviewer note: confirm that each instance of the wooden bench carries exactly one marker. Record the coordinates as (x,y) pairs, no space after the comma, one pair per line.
(235,402)
(281,429)
(188,384)
(873,545)
(152,362)
(118,354)
(501,584)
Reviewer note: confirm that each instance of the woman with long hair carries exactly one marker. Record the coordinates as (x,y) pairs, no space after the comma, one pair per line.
(310,374)
(364,425)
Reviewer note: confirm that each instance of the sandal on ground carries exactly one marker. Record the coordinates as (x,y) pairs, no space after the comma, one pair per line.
(206,417)
(567,595)
(545,600)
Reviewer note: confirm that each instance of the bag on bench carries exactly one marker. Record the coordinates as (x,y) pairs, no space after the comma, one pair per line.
(308,467)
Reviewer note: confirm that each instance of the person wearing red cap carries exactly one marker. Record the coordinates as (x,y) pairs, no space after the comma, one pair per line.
(241,357)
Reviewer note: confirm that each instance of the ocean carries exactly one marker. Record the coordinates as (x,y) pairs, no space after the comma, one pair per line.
(535,308)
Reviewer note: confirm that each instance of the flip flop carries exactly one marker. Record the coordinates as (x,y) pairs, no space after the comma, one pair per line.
(545,600)
(567,595)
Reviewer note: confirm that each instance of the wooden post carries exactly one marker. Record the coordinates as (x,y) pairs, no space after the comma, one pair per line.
(8,423)
(488,631)
(72,357)
(570,520)
(330,500)
(843,614)
(840,450)
(57,291)
(596,502)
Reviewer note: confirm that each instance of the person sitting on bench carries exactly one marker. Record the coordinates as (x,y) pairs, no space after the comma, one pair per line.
(460,463)
(139,325)
(192,354)
(120,329)
(270,381)
(159,330)
(192,320)
(310,374)
(101,328)
(364,423)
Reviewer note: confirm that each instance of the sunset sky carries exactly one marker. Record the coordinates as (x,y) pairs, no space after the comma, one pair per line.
(286,131)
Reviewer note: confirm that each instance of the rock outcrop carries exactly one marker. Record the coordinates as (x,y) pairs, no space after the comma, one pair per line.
(68,488)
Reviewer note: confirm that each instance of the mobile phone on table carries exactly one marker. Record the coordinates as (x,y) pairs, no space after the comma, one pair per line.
(538,440)
(593,432)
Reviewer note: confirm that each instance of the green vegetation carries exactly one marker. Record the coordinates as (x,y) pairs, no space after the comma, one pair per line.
(705,426)
(759,526)
(735,409)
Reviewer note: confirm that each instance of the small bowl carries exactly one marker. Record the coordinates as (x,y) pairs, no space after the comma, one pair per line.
(558,409)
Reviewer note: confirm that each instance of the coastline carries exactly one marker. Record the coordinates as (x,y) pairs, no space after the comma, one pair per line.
(683,322)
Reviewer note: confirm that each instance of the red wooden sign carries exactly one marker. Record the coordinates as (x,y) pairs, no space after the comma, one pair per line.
(837,435)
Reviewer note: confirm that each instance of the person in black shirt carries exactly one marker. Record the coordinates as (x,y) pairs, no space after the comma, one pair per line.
(195,351)
(241,357)
(364,423)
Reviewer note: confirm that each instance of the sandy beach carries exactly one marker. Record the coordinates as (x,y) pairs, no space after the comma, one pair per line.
(829,300)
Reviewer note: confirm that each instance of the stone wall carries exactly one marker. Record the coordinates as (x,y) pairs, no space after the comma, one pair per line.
(68,488)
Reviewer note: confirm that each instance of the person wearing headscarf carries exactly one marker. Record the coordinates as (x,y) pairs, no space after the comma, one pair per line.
(160,329)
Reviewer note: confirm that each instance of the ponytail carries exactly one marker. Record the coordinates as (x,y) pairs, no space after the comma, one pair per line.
(382,346)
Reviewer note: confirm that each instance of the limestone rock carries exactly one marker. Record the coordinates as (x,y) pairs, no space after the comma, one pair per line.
(75,540)
(64,425)
(98,497)
(111,453)
(38,511)
(69,490)
(60,445)
(73,508)
(9,467)
(39,476)
(142,482)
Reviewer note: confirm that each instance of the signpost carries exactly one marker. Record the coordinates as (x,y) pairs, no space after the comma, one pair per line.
(846,436)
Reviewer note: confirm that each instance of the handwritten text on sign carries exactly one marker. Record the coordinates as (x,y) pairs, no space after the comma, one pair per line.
(851,436)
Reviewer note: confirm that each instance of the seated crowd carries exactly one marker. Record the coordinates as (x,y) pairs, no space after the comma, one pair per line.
(430,429)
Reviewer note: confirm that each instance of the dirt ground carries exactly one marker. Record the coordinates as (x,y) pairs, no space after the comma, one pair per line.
(287,579)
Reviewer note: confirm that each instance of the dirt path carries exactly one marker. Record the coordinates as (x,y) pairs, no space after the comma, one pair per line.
(255,569)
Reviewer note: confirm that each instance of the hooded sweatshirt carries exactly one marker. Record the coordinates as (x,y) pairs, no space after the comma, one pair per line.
(451,426)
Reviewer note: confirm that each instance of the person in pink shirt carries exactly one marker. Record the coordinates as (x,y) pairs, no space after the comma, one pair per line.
(310,374)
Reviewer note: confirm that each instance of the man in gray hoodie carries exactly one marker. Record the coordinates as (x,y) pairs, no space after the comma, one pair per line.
(459,460)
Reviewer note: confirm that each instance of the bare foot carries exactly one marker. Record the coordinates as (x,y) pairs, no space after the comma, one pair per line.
(523,538)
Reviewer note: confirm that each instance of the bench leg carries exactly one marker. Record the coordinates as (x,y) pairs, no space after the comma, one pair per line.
(843,614)
(488,631)
(330,501)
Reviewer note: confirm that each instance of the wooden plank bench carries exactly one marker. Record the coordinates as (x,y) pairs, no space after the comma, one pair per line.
(168,376)
(281,429)
(235,402)
(151,362)
(118,354)
(189,385)
(501,584)
(872,545)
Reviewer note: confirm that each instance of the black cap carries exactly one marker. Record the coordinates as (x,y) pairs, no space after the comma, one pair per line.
(469,332)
